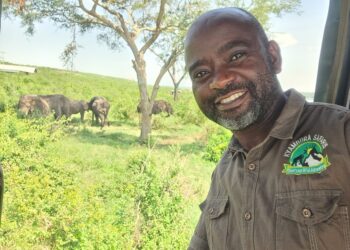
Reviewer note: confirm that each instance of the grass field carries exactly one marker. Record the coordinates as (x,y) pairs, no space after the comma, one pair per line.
(70,185)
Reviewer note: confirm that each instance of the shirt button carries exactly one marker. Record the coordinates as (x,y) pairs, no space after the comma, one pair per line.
(307,213)
(252,167)
(247,216)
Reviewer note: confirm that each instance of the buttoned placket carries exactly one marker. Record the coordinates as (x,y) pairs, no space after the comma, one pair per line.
(250,182)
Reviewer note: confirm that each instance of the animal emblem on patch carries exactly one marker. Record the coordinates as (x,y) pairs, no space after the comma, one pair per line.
(305,156)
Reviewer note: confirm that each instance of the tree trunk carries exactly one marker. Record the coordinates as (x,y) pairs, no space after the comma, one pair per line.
(146,128)
(146,114)
(176,87)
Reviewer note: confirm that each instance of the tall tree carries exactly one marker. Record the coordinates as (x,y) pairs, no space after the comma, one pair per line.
(138,25)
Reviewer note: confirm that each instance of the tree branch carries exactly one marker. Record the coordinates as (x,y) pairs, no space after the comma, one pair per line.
(102,19)
(157,29)
(171,60)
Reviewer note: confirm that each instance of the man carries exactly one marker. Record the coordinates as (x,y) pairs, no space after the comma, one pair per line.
(283,182)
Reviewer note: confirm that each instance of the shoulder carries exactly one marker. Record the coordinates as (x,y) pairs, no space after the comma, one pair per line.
(328,106)
(327,111)
(329,120)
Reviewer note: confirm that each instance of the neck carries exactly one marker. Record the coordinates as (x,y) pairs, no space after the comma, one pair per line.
(256,133)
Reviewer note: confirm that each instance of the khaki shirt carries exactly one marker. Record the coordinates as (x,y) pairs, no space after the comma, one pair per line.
(292,191)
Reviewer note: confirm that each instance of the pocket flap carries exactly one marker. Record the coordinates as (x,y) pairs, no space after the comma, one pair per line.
(307,207)
(216,207)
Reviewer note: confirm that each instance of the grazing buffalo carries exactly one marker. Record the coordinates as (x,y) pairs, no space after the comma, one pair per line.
(62,105)
(78,107)
(158,107)
(100,108)
(33,105)
(59,104)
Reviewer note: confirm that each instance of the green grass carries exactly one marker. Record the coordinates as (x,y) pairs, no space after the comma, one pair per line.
(70,185)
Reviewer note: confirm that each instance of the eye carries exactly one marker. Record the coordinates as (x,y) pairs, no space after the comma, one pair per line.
(200,74)
(237,56)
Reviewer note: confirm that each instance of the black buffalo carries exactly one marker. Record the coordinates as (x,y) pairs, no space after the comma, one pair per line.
(158,107)
(33,105)
(59,104)
(100,108)
(62,105)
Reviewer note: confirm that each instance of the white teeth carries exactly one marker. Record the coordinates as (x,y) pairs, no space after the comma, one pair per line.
(231,98)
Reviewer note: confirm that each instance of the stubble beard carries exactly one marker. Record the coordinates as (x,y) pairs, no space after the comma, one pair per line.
(257,110)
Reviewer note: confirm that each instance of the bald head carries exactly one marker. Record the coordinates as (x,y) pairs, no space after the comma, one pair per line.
(226,15)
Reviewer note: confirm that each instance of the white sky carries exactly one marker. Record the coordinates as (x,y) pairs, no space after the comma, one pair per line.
(299,36)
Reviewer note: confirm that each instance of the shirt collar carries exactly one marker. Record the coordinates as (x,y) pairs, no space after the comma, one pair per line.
(285,124)
(235,147)
(288,120)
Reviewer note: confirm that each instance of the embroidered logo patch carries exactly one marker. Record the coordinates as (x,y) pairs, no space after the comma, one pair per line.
(305,156)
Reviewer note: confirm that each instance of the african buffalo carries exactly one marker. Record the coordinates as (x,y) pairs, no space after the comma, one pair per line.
(60,104)
(158,107)
(100,108)
(33,105)
(78,107)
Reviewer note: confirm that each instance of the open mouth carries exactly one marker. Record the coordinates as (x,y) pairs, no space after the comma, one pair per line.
(231,100)
(232,97)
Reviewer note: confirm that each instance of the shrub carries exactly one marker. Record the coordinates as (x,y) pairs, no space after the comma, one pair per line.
(158,205)
(45,206)
(31,179)
(188,112)
(123,109)
(217,143)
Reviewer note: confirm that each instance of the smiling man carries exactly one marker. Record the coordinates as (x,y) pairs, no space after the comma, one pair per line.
(283,181)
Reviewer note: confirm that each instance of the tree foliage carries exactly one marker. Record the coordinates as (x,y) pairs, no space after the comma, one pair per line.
(70,52)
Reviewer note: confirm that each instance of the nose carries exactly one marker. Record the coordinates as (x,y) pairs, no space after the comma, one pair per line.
(222,79)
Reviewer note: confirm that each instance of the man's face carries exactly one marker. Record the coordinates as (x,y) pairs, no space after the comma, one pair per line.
(233,79)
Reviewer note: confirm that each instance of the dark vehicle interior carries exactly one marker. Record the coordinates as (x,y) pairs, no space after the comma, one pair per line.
(333,77)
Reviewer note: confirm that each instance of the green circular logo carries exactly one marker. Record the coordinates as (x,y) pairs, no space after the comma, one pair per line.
(306,158)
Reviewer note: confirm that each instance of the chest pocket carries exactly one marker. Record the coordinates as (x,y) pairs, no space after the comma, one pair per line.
(311,219)
(217,217)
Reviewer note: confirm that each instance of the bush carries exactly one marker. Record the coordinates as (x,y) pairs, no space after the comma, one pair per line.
(32,178)
(217,143)
(158,205)
(45,206)
(188,112)
(123,109)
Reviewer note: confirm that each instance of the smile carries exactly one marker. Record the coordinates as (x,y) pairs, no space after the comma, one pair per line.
(231,98)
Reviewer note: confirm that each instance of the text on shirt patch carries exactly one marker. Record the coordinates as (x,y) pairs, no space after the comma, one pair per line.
(305,156)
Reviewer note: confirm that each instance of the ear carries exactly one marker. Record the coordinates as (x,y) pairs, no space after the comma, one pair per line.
(275,56)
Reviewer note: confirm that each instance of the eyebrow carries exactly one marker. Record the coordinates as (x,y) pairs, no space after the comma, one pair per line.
(231,44)
(197,64)
(227,46)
